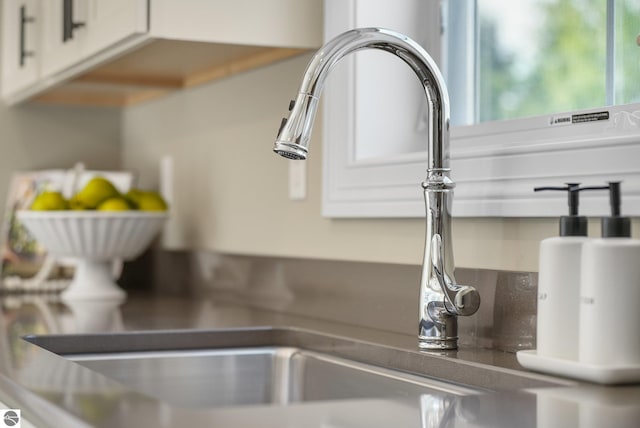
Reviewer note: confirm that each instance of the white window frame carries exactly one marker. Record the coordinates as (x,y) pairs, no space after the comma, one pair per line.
(495,165)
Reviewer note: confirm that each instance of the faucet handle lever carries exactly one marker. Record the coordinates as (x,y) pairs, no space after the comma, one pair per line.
(463,299)
(467,300)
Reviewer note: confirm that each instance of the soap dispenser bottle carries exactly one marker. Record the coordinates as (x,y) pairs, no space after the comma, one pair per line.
(559,282)
(610,292)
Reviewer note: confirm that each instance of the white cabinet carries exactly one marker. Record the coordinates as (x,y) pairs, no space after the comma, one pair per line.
(283,23)
(21,51)
(62,35)
(43,41)
(112,21)
(112,47)
(74,30)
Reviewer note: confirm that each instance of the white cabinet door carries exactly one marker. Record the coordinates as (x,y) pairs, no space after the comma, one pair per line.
(282,23)
(63,33)
(74,30)
(112,21)
(20,44)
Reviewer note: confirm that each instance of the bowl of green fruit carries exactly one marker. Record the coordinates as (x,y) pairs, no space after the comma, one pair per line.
(96,226)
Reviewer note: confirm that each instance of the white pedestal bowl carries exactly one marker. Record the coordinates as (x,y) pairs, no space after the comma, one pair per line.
(95,238)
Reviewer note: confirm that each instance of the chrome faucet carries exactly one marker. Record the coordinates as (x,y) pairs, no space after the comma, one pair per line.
(441,298)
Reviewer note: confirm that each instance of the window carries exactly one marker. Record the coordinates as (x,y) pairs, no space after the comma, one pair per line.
(535,57)
(542,92)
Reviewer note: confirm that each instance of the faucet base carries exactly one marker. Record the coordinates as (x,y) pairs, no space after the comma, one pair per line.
(438,329)
(430,343)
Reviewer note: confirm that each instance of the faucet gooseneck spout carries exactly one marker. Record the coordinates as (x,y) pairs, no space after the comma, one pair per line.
(441,298)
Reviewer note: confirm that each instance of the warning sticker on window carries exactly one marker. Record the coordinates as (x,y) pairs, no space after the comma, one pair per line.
(590,117)
(572,119)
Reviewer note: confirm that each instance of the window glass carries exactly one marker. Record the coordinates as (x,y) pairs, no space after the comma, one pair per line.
(536,57)
(627,51)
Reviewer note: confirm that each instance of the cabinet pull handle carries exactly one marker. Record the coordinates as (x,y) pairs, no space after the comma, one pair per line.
(24,19)
(68,25)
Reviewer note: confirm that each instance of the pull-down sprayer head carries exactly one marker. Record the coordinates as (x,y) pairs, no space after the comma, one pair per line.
(295,132)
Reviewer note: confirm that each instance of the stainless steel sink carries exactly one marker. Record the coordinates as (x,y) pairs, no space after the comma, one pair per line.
(259,375)
(239,367)
(230,368)
(268,376)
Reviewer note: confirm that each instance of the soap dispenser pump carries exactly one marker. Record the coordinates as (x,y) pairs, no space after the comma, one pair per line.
(559,281)
(610,292)
(615,226)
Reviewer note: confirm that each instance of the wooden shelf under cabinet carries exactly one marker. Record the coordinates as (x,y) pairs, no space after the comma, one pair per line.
(158,68)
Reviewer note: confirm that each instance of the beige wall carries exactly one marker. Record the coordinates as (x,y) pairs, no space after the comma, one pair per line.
(231,191)
(40,137)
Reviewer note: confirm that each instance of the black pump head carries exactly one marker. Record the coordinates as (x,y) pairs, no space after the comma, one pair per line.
(615,226)
(572,224)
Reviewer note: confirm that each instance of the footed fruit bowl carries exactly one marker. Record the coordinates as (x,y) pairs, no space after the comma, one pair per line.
(96,239)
